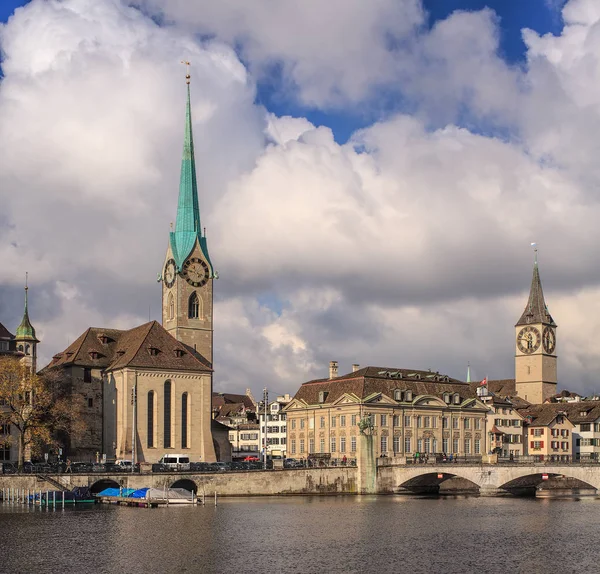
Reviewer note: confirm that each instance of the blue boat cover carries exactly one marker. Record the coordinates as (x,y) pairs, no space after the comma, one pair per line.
(124,492)
(141,493)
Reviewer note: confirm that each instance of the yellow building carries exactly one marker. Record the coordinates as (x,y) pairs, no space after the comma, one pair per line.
(549,432)
(411,412)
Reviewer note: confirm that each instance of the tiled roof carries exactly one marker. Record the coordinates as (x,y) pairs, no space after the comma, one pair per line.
(371,380)
(219,399)
(577,413)
(503,387)
(146,346)
(5,333)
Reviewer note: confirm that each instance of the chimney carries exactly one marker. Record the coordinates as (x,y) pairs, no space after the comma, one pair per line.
(333,369)
(355,367)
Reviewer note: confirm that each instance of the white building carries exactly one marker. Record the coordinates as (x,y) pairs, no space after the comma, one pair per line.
(276,427)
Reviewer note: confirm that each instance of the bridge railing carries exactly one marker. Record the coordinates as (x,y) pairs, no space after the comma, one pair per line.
(429,459)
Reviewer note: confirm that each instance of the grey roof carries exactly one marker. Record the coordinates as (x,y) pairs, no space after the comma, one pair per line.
(536,310)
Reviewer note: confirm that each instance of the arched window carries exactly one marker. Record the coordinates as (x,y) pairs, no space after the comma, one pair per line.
(171,306)
(194,306)
(150,419)
(184,420)
(167,415)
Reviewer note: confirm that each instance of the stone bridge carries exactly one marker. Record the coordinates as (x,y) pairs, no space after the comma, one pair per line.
(487,479)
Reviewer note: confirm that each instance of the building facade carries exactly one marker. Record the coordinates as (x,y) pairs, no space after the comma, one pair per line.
(275,427)
(549,433)
(505,435)
(411,412)
(245,441)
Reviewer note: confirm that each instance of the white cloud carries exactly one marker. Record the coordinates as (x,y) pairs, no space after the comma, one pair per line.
(407,246)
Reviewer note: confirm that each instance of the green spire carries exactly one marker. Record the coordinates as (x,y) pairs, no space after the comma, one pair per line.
(468,372)
(187,226)
(25,330)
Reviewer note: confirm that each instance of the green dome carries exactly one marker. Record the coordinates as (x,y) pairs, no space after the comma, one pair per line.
(25,330)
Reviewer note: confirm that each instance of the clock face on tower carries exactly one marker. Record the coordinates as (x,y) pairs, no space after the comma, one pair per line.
(196,272)
(528,340)
(170,273)
(549,340)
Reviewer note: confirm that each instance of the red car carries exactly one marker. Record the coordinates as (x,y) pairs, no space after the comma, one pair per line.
(251,459)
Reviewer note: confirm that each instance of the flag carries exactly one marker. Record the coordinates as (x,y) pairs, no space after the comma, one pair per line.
(483,383)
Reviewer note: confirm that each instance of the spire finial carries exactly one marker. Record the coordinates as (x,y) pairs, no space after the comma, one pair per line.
(187,71)
(535,250)
(26,277)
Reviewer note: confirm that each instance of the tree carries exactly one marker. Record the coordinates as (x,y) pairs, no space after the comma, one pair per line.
(38,407)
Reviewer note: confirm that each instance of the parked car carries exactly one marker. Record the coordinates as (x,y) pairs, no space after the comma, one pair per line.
(251,459)
(175,461)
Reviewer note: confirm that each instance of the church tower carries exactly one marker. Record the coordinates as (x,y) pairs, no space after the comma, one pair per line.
(187,276)
(26,340)
(535,359)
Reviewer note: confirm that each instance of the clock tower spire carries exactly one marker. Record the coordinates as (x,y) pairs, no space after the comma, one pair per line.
(187,277)
(535,358)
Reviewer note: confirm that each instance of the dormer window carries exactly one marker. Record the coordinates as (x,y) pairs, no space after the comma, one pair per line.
(120,352)
(456,399)
(94,355)
(179,353)
(323,396)
(104,339)
(397,395)
(408,396)
(154,351)
(447,398)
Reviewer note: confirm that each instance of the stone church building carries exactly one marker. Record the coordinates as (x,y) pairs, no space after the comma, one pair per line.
(147,391)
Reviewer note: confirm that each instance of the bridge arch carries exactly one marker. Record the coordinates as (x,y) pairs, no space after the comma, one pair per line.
(438,483)
(102,484)
(552,480)
(187,484)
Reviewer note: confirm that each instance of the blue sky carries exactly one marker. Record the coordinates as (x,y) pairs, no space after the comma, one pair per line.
(543,16)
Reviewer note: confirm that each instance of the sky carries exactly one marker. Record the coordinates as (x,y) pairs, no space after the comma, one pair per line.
(371,176)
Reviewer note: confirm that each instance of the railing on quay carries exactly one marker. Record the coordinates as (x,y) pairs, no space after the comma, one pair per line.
(198,467)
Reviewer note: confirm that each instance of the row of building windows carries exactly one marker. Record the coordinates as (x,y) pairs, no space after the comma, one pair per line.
(423,445)
(507,422)
(274,429)
(194,306)
(587,427)
(420,421)
(167,423)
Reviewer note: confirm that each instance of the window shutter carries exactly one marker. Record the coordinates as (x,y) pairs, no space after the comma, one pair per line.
(541,444)
(531,432)
(532,444)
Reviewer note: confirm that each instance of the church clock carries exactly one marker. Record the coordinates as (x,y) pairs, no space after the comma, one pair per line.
(528,340)
(196,272)
(549,340)
(170,273)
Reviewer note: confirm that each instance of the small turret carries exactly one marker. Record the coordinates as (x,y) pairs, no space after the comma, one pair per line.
(25,338)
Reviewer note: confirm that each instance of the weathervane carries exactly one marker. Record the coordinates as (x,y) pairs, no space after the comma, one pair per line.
(187,71)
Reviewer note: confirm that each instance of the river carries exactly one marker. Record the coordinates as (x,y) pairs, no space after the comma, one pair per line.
(382,534)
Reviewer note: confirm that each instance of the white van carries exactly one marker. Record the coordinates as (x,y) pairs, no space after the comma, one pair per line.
(175,461)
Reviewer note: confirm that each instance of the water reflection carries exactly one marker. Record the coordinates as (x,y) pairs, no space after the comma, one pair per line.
(313,534)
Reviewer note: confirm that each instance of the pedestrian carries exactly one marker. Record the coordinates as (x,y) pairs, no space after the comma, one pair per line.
(344,460)
(68,468)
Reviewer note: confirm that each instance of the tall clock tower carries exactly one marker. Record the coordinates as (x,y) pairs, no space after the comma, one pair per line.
(187,275)
(535,358)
